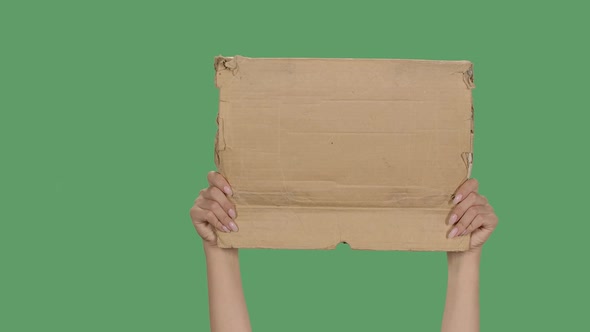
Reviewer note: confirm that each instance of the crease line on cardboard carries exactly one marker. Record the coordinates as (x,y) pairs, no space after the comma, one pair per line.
(281,197)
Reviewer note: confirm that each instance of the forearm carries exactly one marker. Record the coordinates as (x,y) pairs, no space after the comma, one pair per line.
(227,306)
(462,304)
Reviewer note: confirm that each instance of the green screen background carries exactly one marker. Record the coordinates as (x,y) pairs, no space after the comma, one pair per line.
(107,125)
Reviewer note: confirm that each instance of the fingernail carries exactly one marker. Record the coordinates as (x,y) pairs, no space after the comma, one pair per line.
(225,229)
(227,190)
(457,198)
(453,233)
(232,213)
(233,226)
(453,219)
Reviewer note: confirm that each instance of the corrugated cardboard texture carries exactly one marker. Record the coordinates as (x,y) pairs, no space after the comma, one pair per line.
(324,151)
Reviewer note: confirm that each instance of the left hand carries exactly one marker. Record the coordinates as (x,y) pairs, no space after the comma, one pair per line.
(213,210)
(472,214)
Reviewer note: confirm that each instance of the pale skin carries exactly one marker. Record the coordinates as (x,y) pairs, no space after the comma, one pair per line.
(213,210)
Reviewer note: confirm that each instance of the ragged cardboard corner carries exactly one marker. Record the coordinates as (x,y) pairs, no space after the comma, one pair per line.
(362,151)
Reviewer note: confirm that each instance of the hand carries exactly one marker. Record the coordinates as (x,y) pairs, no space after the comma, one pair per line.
(472,214)
(213,210)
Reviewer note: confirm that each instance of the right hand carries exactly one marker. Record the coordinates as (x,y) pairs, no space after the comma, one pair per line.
(472,214)
(213,210)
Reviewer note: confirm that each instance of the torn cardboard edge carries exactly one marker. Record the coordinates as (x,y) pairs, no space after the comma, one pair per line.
(231,64)
(267,88)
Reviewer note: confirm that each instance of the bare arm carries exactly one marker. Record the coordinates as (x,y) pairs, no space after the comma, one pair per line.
(213,211)
(471,215)
(227,306)
(462,304)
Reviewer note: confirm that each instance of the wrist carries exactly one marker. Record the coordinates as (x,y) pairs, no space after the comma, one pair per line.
(462,259)
(213,250)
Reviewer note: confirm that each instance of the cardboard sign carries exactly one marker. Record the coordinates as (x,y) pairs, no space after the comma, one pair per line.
(362,151)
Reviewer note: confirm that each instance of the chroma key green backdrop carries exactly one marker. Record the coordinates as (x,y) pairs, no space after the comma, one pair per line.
(107,122)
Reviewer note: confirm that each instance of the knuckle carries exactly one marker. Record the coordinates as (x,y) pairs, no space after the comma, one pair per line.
(467,217)
(494,218)
(210,215)
(459,211)
(211,174)
(216,207)
(193,212)
(474,210)
(217,224)
(463,223)
(215,191)
(479,219)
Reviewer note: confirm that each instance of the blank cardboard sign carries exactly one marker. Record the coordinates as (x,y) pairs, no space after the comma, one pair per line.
(362,151)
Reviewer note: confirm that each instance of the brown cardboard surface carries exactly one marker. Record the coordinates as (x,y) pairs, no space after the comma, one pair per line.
(362,151)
